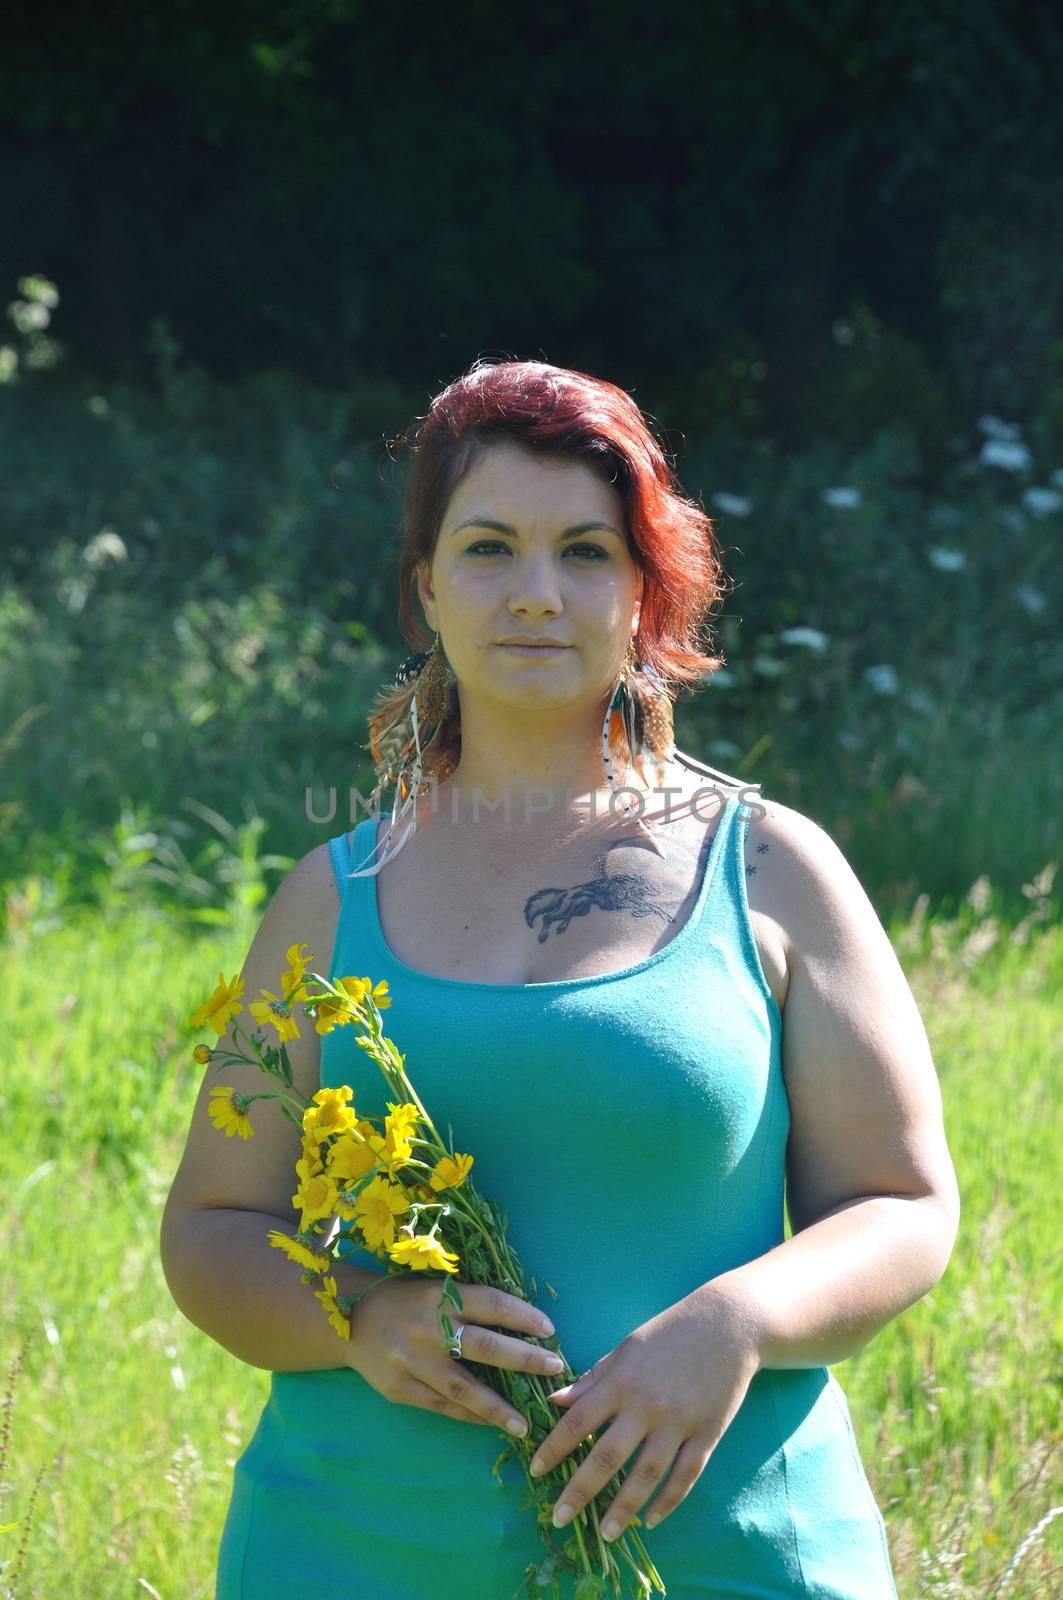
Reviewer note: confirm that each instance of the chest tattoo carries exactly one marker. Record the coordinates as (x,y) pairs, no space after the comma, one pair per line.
(630,892)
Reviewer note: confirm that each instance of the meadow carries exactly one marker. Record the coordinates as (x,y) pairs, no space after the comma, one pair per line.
(194,619)
(124,1421)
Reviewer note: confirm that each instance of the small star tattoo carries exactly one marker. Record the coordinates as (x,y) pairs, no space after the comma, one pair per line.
(750,871)
(761,849)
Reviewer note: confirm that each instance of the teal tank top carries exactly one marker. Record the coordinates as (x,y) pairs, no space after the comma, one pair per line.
(662,1083)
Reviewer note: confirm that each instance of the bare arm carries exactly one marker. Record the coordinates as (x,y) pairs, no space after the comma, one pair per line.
(230,1281)
(228,1193)
(871,1188)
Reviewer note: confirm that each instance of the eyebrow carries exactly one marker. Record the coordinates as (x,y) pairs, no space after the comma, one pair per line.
(504,527)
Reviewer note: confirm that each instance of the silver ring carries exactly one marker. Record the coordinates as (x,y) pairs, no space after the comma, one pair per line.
(454,1344)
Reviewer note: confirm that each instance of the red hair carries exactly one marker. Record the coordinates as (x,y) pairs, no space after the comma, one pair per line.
(558,412)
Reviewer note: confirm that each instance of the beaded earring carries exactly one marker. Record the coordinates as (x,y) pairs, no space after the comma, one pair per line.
(422,696)
(638,721)
(638,726)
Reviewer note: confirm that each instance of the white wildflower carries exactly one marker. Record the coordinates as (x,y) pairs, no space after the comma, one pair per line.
(107,545)
(768,666)
(732,505)
(806,636)
(919,700)
(994,428)
(883,678)
(1013,457)
(947,560)
(722,678)
(846,499)
(1042,502)
(1031,598)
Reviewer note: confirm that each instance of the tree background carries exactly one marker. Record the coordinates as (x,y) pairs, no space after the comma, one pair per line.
(820,244)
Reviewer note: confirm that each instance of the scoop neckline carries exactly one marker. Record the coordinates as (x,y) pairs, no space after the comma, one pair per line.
(684,935)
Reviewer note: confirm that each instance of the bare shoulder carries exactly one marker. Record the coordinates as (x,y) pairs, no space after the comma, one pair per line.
(313,893)
(798,876)
(865,1105)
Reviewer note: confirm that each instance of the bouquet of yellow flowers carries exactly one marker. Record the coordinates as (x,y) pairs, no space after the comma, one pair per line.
(381,1181)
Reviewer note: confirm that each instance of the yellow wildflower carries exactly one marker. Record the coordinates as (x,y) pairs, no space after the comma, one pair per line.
(329,1112)
(379,992)
(345,1206)
(420,1253)
(228,1112)
(329,1016)
(222,1005)
(274,1011)
(397,1126)
(202,1053)
(296,968)
(308,1167)
(327,1295)
(298,1252)
(376,1208)
(332,1013)
(450,1172)
(350,1158)
(315,1198)
(312,1157)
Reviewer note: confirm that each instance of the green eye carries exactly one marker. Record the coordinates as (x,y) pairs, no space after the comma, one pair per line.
(490,545)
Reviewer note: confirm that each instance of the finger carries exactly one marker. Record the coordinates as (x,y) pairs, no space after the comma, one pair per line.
(483,1303)
(416,1393)
(499,1350)
(687,1468)
(571,1429)
(568,1393)
(457,1384)
(578,1386)
(605,1460)
(657,1454)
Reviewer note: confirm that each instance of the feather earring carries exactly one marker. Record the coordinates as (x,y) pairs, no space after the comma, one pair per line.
(422,697)
(636,724)
(639,723)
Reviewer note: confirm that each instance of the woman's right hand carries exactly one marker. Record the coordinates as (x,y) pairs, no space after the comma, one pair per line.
(398,1345)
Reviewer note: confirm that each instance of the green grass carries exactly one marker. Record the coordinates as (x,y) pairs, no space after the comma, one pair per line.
(137,1418)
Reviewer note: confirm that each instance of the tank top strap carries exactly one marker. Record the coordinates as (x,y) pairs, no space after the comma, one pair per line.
(340,851)
(726,916)
(346,851)
(724,910)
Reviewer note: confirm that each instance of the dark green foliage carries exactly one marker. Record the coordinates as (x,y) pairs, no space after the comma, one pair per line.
(820,245)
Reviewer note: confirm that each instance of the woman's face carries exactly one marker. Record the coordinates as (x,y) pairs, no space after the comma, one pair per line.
(534,578)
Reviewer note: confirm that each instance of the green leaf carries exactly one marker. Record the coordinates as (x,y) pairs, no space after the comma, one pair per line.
(520,1390)
(509,1451)
(450,1292)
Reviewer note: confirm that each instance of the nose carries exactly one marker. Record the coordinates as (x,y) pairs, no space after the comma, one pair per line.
(535,586)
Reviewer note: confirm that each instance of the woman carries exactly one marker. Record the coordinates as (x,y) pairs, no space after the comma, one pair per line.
(645,1006)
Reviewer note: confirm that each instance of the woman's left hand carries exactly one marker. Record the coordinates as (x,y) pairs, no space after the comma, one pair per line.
(673,1386)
